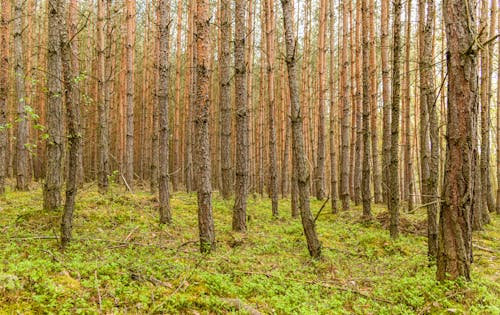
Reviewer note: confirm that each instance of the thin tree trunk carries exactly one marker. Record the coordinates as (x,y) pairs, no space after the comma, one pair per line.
(23,177)
(129,50)
(498,127)
(225,99)
(201,112)
(333,112)
(177,119)
(163,108)
(408,162)
(55,141)
(321,153)
(273,164)
(240,84)
(155,132)
(455,239)
(396,98)
(308,223)
(73,118)
(102,107)
(4,90)
(386,97)
(346,109)
(366,193)
(358,99)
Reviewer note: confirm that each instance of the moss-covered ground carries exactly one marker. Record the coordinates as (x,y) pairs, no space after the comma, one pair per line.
(122,262)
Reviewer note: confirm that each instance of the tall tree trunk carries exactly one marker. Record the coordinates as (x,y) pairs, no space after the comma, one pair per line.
(429,145)
(4,90)
(396,98)
(487,198)
(201,118)
(176,178)
(408,162)
(225,99)
(73,118)
(334,196)
(129,50)
(386,97)
(346,109)
(163,108)
(358,99)
(308,224)
(455,239)
(23,177)
(155,123)
(320,161)
(102,107)
(366,193)
(55,145)
(240,84)
(273,164)
(498,126)
(377,176)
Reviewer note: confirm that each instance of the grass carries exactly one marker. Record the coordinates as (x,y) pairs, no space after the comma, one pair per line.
(122,261)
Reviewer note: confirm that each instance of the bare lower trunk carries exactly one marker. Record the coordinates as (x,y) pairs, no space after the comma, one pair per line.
(308,224)
(201,112)
(23,177)
(393,191)
(455,243)
(55,143)
(73,119)
(334,196)
(129,48)
(163,109)
(240,84)
(386,97)
(4,89)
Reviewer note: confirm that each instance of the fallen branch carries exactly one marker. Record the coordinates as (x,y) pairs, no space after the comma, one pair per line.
(489,250)
(321,209)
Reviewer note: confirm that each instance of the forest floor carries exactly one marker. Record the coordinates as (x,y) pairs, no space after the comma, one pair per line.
(122,261)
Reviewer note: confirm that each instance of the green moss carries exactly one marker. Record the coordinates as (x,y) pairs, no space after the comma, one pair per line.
(123,261)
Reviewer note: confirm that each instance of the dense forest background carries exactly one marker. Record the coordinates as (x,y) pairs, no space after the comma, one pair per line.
(269,109)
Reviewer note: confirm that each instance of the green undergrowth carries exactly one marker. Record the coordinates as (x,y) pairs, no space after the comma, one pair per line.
(123,262)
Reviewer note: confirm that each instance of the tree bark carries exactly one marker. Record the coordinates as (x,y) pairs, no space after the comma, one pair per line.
(395,104)
(365,181)
(308,224)
(129,50)
(201,112)
(334,196)
(273,164)
(408,162)
(163,108)
(321,152)
(498,127)
(240,84)
(55,145)
(455,239)
(4,90)
(73,118)
(225,99)
(102,107)
(346,109)
(386,97)
(23,177)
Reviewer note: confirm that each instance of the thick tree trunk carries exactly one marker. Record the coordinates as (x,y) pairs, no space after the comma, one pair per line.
(393,191)
(273,164)
(240,84)
(73,118)
(225,100)
(163,109)
(23,177)
(55,141)
(455,239)
(366,193)
(201,112)
(308,223)
(129,50)
(4,89)
(346,109)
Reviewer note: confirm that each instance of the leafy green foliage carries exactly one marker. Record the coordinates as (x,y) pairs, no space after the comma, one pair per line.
(123,261)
